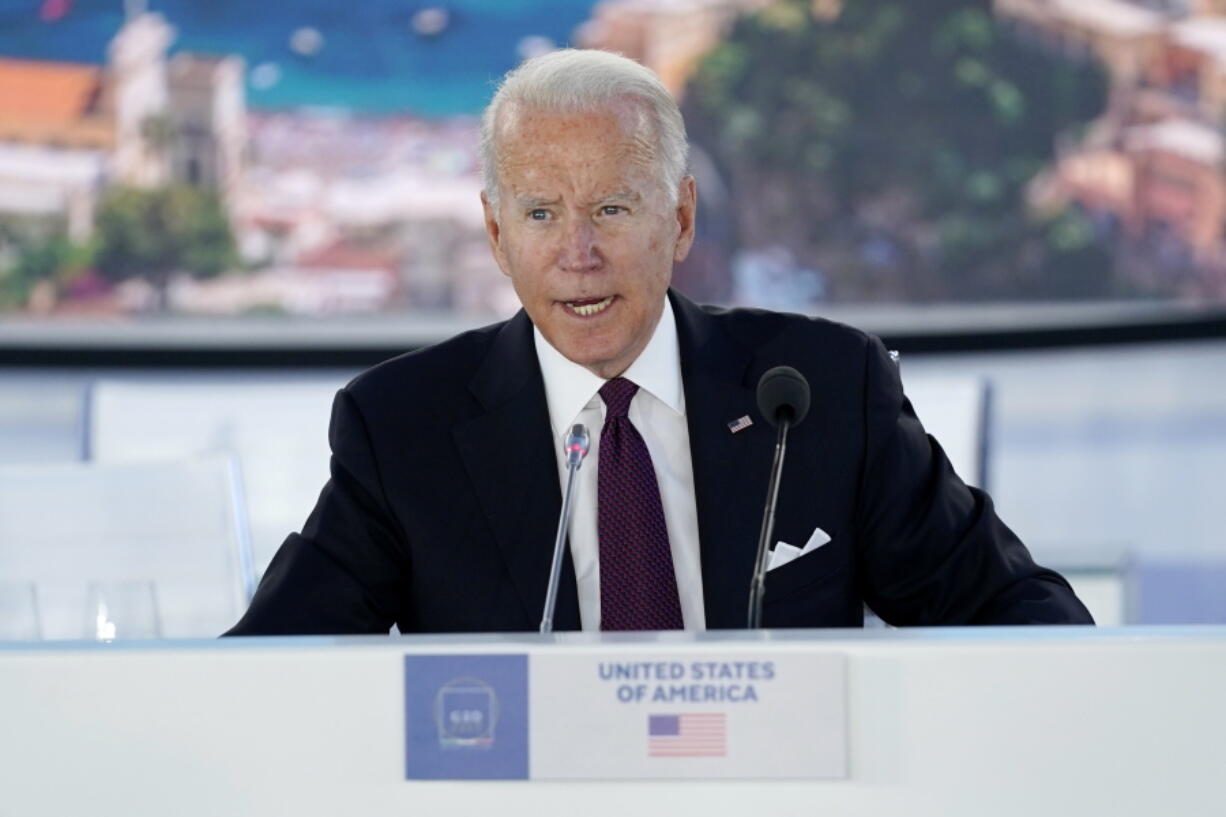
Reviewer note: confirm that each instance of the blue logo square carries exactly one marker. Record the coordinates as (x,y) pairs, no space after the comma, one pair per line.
(466,717)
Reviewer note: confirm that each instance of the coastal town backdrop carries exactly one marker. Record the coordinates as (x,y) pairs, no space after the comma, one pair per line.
(222,157)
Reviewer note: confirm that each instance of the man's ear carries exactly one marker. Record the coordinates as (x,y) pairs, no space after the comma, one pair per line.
(494,233)
(687,212)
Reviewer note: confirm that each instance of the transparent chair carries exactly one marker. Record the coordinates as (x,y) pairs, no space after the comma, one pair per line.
(178,524)
(1175,589)
(278,431)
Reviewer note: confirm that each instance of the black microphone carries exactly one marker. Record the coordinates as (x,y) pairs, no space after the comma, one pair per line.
(783,392)
(576,449)
(783,399)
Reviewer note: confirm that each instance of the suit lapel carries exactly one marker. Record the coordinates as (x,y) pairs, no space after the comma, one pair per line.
(730,470)
(508,454)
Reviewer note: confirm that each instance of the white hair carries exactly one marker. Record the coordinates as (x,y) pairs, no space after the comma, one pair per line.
(583,81)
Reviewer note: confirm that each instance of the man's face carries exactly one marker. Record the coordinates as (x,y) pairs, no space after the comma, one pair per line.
(586,232)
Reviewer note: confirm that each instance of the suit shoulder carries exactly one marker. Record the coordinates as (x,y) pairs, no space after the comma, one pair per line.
(762,327)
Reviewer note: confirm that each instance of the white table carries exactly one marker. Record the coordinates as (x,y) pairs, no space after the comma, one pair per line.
(942,722)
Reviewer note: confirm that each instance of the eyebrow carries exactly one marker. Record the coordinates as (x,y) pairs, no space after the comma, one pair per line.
(533,201)
(621,195)
(529,201)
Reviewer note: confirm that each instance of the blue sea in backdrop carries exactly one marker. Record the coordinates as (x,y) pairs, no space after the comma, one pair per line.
(369,56)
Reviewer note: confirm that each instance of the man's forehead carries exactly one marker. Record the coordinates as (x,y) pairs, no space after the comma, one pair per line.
(591,147)
(626,116)
(549,176)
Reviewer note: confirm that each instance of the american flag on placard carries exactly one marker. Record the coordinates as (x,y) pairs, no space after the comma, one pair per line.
(693,735)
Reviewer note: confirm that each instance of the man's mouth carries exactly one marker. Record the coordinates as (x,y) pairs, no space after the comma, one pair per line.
(587,307)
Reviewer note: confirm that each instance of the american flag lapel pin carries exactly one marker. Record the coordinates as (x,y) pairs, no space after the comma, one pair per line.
(740,424)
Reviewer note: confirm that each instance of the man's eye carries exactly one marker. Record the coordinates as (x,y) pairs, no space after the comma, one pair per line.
(611,209)
(538,214)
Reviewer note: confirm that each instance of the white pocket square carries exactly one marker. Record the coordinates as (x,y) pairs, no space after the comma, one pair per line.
(784,553)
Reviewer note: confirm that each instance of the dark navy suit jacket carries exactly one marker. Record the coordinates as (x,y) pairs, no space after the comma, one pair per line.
(443,501)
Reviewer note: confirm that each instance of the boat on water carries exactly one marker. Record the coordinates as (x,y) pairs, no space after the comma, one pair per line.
(306,41)
(430,21)
(53,10)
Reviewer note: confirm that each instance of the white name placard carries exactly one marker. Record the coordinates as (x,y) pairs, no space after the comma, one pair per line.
(704,715)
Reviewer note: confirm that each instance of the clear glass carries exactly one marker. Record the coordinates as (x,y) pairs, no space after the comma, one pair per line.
(19,619)
(122,610)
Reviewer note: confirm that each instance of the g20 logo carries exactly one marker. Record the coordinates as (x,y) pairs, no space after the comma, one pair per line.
(466,714)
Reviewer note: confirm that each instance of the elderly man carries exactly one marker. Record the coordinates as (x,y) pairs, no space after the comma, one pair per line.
(440,512)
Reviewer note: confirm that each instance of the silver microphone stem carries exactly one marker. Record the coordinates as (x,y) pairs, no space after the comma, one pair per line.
(757,587)
(576,450)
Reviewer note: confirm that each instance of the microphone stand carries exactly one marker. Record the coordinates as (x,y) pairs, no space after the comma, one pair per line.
(576,450)
(757,588)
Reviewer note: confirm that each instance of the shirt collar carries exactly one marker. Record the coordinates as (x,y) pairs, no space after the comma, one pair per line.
(657,370)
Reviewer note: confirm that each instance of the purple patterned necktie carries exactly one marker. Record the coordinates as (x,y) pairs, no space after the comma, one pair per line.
(638,590)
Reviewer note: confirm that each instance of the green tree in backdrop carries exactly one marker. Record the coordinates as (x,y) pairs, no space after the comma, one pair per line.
(32,257)
(154,234)
(145,234)
(892,144)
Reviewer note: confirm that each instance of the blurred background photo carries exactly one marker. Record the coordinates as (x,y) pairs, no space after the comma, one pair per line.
(212,214)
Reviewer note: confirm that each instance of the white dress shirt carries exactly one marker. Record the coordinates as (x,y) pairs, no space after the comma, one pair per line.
(658,412)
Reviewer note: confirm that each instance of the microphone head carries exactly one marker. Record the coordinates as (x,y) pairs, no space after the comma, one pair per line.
(576,444)
(783,392)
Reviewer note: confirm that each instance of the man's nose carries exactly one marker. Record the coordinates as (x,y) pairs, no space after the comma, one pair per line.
(579,252)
